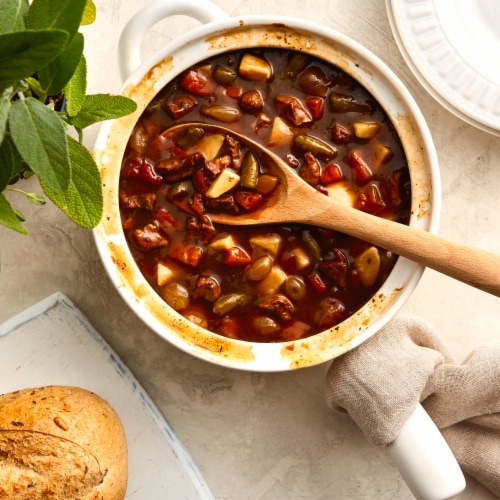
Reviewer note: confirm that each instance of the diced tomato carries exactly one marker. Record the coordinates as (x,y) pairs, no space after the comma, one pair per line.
(234,92)
(140,168)
(186,253)
(236,256)
(165,218)
(248,200)
(371,200)
(195,82)
(331,173)
(229,328)
(317,282)
(128,224)
(315,105)
(361,170)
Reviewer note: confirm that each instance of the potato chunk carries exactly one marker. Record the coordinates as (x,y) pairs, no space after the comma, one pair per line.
(255,68)
(368,265)
(224,182)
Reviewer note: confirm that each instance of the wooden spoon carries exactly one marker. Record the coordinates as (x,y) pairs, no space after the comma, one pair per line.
(296,201)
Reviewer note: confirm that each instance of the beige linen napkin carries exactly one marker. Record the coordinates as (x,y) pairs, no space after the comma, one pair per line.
(380,383)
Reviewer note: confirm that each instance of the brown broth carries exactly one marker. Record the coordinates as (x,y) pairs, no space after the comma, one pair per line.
(328,299)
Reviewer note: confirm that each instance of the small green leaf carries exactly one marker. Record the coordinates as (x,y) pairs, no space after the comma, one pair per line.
(10,162)
(76,88)
(8,216)
(55,75)
(41,140)
(56,15)
(24,52)
(12,14)
(82,202)
(89,13)
(99,107)
(36,88)
(4,114)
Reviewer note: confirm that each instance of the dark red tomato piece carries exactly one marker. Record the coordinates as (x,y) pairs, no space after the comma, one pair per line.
(248,200)
(140,168)
(195,82)
(229,327)
(371,200)
(165,218)
(187,253)
(236,256)
(317,282)
(316,106)
(331,173)
(361,170)
(234,92)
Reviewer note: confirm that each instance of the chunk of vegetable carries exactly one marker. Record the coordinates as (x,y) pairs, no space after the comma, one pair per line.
(259,268)
(382,154)
(221,112)
(249,170)
(255,68)
(222,243)
(342,192)
(315,146)
(272,282)
(228,302)
(164,274)
(176,295)
(224,182)
(368,265)
(270,242)
(281,134)
(210,146)
(366,130)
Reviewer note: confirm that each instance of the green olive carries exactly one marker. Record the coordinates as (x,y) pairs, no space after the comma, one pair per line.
(191,137)
(315,146)
(178,190)
(221,112)
(312,246)
(176,295)
(265,325)
(226,303)
(294,66)
(249,171)
(259,268)
(266,183)
(295,287)
(342,103)
(223,75)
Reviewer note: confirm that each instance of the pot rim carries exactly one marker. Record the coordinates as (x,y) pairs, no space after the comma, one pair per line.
(356,60)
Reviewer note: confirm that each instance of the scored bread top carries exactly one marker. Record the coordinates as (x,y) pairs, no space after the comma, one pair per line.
(61,442)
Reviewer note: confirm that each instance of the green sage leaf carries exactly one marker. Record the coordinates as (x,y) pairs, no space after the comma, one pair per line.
(12,14)
(10,162)
(24,52)
(99,107)
(89,13)
(4,114)
(76,88)
(41,140)
(8,216)
(56,15)
(82,202)
(55,75)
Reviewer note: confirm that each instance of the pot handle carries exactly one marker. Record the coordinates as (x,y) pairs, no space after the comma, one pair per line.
(425,460)
(129,45)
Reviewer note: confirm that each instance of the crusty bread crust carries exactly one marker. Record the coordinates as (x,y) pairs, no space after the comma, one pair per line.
(61,442)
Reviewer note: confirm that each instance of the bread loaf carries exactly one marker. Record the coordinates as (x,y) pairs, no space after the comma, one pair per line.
(60,443)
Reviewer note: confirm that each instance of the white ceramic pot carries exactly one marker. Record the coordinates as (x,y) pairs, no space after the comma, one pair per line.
(420,451)
(222,33)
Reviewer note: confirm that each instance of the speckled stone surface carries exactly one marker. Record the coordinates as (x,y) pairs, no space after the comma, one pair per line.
(257,435)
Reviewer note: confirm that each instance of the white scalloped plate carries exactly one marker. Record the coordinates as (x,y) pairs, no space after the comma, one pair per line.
(453,49)
(52,343)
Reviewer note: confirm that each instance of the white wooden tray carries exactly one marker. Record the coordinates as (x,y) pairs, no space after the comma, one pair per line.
(52,343)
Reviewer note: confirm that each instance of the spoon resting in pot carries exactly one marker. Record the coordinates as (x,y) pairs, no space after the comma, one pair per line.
(296,201)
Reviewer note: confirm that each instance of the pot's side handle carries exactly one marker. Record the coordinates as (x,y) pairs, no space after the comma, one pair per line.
(129,45)
(425,460)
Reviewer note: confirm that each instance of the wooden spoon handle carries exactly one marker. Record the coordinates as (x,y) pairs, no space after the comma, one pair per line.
(476,267)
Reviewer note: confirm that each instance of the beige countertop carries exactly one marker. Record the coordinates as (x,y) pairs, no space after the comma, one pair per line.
(258,435)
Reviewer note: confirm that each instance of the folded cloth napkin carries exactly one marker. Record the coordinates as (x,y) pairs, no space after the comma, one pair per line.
(380,383)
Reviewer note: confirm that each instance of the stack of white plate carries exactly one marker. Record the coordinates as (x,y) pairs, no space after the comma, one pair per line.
(453,49)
